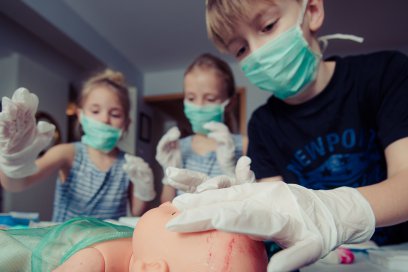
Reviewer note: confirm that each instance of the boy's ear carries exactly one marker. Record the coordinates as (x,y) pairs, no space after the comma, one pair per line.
(315,11)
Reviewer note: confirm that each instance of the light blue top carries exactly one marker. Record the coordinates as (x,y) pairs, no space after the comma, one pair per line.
(206,163)
(91,192)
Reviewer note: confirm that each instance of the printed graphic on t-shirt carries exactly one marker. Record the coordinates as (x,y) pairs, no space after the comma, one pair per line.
(347,158)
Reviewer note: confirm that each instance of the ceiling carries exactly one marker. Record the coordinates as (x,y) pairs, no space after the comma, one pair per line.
(158,35)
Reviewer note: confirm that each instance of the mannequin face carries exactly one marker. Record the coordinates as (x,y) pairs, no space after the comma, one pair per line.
(157,249)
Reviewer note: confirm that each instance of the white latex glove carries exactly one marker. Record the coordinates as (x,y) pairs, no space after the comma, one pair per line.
(141,176)
(225,146)
(308,224)
(195,182)
(21,140)
(168,152)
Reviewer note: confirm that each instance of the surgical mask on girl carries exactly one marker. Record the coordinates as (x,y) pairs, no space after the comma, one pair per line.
(98,135)
(200,115)
(284,66)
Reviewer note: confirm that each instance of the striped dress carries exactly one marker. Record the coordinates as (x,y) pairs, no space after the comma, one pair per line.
(206,163)
(91,192)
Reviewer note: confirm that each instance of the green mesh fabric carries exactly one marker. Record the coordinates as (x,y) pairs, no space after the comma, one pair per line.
(43,249)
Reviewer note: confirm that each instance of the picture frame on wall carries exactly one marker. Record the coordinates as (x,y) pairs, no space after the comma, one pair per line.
(145,127)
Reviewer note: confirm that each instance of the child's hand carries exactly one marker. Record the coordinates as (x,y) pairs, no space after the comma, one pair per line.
(308,224)
(141,176)
(225,146)
(168,149)
(195,182)
(243,174)
(21,140)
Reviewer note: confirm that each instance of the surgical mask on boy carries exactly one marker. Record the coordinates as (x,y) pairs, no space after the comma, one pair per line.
(284,66)
(99,135)
(200,115)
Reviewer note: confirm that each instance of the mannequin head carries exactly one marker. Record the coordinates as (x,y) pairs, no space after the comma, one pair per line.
(157,249)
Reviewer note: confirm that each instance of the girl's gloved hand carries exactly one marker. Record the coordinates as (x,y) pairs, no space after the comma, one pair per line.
(168,152)
(196,182)
(141,176)
(21,139)
(225,146)
(308,224)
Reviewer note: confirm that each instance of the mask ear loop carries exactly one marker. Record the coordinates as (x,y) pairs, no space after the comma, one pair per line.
(324,40)
(301,17)
(225,103)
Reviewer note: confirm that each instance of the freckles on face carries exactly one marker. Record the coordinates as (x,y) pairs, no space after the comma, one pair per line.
(204,86)
(103,105)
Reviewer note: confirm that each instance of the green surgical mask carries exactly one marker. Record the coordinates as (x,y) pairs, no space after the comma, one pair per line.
(284,66)
(200,115)
(98,135)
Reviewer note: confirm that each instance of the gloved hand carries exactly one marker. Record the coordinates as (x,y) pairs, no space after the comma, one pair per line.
(308,224)
(168,152)
(225,146)
(196,182)
(141,176)
(21,140)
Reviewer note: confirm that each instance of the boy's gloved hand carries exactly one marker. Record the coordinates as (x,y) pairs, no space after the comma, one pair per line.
(21,139)
(196,182)
(308,224)
(225,146)
(168,152)
(141,176)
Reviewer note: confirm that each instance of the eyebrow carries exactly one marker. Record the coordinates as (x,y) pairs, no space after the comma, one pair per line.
(255,18)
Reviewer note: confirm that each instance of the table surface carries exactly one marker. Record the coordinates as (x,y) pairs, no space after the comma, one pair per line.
(362,263)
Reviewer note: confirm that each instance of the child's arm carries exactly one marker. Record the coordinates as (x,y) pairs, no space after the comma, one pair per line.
(138,207)
(388,199)
(21,140)
(59,157)
(141,177)
(167,194)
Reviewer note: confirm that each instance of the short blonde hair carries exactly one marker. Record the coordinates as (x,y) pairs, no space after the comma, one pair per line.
(222,17)
(115,81)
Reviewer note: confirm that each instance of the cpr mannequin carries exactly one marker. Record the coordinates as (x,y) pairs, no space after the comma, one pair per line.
(153,248)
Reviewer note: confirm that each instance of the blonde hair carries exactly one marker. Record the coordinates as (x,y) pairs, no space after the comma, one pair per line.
(222,17)
(207,61)
(113,80)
